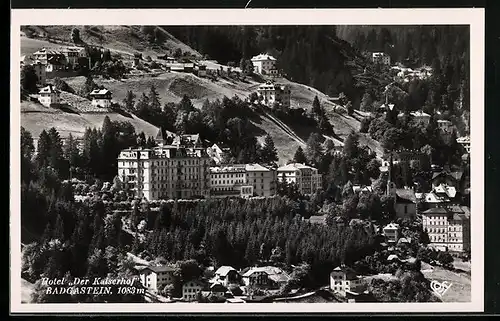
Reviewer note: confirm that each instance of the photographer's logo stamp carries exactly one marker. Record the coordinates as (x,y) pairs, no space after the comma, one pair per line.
(440,288)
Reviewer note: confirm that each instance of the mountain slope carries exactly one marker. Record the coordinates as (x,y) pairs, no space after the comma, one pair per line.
(120,39)
(172,86)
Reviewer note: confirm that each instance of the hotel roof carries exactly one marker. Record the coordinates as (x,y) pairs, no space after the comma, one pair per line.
(263,57)
(100,92)
(294,167)
(256,168)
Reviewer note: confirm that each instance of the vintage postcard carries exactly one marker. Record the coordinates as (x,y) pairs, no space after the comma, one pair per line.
(224,161)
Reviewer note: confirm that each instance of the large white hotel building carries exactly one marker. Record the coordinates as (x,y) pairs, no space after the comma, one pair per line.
(181,170)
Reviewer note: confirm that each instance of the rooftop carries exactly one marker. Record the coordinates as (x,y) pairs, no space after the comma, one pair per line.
(159,269)
(228,169)
(404,194)
(256,168)
(391,226)
(263,57)
(269,270)
(349,272)
(100,92)
(48,90)
(224,270)
(294,166)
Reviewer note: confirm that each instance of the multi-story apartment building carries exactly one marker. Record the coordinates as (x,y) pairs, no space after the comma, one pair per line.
(229,181)
(271,93)
(155,278)
(262,179)
(264,64)
(381,58)
(307,178)
(448,227)
(176,171)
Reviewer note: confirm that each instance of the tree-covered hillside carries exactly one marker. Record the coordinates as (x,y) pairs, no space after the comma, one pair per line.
(310,55)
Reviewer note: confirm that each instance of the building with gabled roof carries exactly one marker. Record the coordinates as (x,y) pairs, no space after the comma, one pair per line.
(49,96)
(344,279)
(271,93)
(391,232)
(264,64)
(155,278)
(226,275)
(265,277)
(405,204)
(101,98)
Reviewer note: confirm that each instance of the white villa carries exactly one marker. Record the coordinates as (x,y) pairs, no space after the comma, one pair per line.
(264,64)
(49,95)
(307,178)
(101,98)
(270,93)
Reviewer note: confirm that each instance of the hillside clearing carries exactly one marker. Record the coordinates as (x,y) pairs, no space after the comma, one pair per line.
(73,123)
(119,39)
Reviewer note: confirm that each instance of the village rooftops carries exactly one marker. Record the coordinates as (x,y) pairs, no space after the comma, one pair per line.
(463,140)
(224,270)
(48,90)
(274,273)
(100,92)
(263,57)
(45,51)
(457,175)
(450,191)
(228,169)
(294,167)
(350,274)
(405,195)
(391,226)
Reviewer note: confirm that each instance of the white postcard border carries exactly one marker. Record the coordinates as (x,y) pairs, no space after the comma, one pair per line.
(473,17)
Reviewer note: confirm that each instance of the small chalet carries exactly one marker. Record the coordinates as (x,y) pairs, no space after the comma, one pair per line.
(49,96)
(218,153)
(391,232)
(226,275)
(101,98)
(265,277)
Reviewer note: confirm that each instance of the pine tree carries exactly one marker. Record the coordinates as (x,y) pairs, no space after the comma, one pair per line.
(268,152)
(129,101)
(72,152)
(316,107)
(42,158)
(27,147)
(299,156)
(314,150)
(154,101)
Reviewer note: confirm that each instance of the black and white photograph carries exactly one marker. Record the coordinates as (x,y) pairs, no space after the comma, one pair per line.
(183,166)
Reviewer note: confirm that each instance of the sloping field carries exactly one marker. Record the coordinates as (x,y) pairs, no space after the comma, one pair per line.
(120,39)
(75,124)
